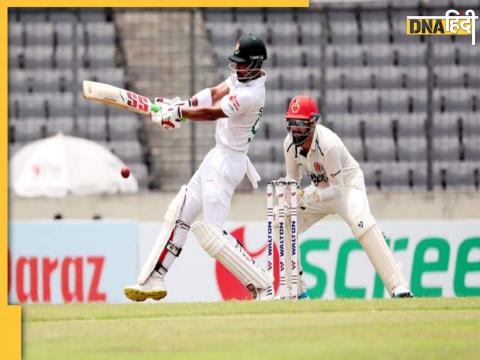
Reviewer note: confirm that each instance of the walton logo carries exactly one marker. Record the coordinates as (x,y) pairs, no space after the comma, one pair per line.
(269,235)
(294,237)
(453,23)
(281,233)
(229,286)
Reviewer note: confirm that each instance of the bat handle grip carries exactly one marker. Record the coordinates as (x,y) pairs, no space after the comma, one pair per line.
(155,108)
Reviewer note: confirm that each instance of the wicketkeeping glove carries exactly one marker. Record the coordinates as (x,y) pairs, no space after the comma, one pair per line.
(309,196)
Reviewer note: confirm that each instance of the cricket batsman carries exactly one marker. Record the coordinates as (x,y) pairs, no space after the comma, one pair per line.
(237,105)
(337,187)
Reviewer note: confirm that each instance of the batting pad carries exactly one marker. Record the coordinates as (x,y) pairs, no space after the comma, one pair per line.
(214,242)
(171,216)
(382,259)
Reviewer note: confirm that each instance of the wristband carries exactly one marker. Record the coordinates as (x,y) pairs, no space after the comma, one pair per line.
(204,97)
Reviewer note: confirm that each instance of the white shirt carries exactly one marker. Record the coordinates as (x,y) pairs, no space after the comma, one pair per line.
(328,162)
(243,106)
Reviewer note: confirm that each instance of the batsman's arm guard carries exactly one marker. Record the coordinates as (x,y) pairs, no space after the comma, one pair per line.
(171,216)
(216,244)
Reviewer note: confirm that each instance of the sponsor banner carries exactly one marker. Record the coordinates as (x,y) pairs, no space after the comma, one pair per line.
(438,258)
(91,261)
(71,261)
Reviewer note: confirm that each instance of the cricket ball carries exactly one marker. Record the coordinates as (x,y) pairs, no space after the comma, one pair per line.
(125,172)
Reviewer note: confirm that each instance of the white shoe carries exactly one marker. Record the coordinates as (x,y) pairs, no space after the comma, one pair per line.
(265,294)
(262,294)
(153,288)
(401,292)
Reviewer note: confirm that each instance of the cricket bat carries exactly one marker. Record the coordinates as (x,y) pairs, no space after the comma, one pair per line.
(117,97)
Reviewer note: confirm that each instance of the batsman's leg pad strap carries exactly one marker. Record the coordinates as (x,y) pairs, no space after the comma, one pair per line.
(175,251)
(214,242)
(161,269)
(382,258)
(170,222)
(180,224)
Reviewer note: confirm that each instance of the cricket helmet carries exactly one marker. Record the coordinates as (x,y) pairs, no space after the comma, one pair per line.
(301,118)
(249,50)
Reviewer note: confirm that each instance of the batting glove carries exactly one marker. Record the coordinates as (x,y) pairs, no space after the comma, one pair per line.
(168,118)
(175,101)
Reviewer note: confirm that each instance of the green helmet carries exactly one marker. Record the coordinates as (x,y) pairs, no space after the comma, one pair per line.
(250,50)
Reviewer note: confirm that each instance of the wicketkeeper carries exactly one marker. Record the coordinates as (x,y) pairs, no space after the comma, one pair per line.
(237,105)
(337,187)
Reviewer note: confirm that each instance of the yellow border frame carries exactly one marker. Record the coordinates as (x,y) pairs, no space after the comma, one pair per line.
(10,315)
(164,3)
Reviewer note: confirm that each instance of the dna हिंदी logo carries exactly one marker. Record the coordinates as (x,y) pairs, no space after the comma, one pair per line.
(453,23)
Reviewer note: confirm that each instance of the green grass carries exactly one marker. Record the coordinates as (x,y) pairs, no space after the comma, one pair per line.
(340,329)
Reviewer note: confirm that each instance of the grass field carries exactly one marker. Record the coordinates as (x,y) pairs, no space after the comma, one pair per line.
(339,329)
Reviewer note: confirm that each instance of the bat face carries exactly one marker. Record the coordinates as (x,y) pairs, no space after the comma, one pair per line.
(117,97)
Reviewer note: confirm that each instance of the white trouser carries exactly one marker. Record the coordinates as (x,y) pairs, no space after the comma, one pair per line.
(210,191)
(353,207)
(349,206)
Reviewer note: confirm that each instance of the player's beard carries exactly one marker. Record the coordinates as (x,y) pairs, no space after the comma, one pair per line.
(299,139)
(253,71)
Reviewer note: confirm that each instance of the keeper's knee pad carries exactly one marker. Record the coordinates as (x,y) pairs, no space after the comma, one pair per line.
(361,224)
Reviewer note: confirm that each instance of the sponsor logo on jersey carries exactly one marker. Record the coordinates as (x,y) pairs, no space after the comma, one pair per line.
(234,102)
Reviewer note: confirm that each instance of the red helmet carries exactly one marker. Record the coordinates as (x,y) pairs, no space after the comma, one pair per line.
(302,107)
(301,117)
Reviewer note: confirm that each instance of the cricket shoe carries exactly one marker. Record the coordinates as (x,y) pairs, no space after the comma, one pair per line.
(153,288)
(303,296)
(303,288)
(263,294)
(401,292)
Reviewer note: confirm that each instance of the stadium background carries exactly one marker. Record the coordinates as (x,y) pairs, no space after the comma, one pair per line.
(406,107)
